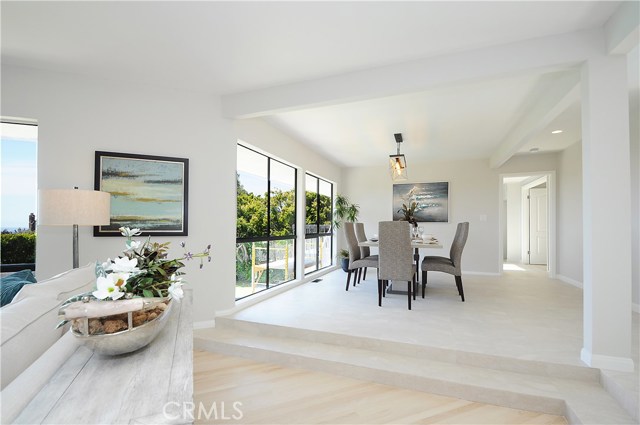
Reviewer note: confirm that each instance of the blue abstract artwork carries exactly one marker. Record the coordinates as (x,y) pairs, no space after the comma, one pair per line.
(149,193)
(432,201)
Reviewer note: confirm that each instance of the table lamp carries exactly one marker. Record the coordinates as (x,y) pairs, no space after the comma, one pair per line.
(64,207)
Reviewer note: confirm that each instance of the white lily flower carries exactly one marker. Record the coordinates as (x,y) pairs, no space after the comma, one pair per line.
(120,279)
(133,245)
(125,231)
(124,265)
(175,289)
(109,286)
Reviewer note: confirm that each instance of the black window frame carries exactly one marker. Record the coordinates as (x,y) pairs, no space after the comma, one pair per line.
(317,234)
(268,237)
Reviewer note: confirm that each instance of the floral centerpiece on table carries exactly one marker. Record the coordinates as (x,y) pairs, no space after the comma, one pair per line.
(132,289)
(144,270)
(408,212)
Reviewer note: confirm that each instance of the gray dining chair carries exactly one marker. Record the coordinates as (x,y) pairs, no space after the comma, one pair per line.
(365,251)
(356,262)
(451,265)
(395,257)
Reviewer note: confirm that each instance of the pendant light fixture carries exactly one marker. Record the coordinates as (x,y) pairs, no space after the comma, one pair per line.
(397,162)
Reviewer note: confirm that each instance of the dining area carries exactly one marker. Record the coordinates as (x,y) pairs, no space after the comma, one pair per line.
(398,261)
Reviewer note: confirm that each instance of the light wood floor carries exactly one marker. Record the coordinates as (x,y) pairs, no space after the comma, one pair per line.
(272,394)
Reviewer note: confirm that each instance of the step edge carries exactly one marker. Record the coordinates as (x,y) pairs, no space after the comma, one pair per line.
(551,405)
(450,355)
(624,396)
(283,347)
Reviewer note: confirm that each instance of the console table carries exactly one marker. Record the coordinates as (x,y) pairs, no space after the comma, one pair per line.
(150,386)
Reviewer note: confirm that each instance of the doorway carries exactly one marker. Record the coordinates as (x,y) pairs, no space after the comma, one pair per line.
(527,220)
(538,225)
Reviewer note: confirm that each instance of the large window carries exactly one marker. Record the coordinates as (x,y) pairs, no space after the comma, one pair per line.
(318,234)
(266,222)
(18,174)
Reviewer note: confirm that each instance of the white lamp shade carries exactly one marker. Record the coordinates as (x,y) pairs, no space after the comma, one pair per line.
(63,207)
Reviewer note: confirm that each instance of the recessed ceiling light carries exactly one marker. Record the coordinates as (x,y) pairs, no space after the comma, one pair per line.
(556,131)
(534,149)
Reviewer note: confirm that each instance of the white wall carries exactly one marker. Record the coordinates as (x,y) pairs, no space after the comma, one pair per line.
(77,116)
(569,229)
(513,195)
(473,192)
(260,134)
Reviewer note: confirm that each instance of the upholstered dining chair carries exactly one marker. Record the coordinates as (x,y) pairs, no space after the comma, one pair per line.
(449,265)
(365,251)
(395,257)
(356,261)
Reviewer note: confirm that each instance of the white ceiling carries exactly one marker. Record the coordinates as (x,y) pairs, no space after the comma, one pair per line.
(462,122)
(235,47)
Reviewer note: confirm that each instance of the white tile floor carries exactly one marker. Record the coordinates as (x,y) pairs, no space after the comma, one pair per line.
(522,314)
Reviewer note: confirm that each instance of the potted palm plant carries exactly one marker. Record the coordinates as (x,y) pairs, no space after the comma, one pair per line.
(344,259)
(345,211)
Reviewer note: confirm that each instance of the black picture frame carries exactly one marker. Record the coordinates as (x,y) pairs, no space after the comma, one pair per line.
(432,201)
(148,192)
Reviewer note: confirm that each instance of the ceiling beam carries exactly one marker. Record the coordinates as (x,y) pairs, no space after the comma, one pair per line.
(622,31)
(553,96)
(553,52)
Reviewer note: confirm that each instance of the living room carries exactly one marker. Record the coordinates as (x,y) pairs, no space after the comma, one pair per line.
(101,95)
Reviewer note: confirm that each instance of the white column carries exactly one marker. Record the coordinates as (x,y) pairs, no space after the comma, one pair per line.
(607,214)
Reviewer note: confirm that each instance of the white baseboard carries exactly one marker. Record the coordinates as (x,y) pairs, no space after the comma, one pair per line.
(569,281)
(204,324)
(264,295)
(600,361)
(635,307)
(479,273)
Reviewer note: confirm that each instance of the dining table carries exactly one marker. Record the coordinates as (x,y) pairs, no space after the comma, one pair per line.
(416,244)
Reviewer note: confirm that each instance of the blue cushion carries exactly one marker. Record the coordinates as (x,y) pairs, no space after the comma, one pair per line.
(11,284)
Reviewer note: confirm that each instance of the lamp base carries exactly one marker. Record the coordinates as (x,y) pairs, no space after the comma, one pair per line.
(76,261)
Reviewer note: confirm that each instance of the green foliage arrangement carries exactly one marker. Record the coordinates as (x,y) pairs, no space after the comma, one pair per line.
(144,270)
(345,211)
(18,247)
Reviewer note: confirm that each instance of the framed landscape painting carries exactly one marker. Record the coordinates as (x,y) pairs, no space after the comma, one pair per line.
(147,192)
(432,201)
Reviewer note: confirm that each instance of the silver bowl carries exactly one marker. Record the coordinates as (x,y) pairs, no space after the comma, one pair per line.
(128,340)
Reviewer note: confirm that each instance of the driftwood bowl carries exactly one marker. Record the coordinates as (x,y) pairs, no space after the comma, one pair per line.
(125,341)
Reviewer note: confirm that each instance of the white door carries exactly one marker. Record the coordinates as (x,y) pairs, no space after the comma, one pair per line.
(538,226)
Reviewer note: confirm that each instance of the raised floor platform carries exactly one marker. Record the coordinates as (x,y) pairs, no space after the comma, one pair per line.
(515,342)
